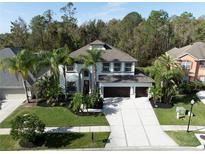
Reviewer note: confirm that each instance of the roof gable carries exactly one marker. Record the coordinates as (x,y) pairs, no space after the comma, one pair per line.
(196,50)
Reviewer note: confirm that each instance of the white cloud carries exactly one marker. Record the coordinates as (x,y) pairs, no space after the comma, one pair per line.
(107,11)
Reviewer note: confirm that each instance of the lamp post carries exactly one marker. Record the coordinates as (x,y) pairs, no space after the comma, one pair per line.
(192,104)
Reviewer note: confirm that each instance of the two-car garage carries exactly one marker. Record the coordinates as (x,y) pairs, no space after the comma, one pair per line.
(116,91)
(124,91)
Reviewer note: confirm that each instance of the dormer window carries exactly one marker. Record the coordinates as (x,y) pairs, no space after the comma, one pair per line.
(97,47)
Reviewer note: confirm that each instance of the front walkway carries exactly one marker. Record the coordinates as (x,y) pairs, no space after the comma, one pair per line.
(134,124)
(81,129)
(182,128)
(8,106)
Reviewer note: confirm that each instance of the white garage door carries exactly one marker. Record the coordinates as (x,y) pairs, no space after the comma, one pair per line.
(12,94)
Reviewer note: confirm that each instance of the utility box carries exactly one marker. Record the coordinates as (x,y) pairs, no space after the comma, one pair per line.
(181,112)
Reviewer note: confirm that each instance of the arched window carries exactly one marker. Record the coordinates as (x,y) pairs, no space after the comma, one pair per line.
(86,73)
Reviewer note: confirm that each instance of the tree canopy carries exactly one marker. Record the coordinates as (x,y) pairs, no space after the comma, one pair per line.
(144,39)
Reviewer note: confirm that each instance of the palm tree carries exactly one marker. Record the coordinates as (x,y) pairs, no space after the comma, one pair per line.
(19,65)
(51,60)
(92,58)
(65,60)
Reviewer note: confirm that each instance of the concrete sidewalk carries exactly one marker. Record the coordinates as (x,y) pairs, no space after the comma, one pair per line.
(6,131)
(182,128)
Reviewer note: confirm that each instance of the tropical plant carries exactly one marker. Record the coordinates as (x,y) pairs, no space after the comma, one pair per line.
(19,65)
(64,59)
(27,128)
(76,102)
(167,74)
(91,59)
(47,88)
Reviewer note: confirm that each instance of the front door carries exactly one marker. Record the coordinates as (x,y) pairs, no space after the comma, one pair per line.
(86,87)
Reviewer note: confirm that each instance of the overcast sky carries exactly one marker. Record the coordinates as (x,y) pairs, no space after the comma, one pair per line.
(94,10)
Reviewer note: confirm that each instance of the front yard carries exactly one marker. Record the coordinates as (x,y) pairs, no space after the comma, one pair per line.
(167,116)
(183,138)
(57,117)
(61,141)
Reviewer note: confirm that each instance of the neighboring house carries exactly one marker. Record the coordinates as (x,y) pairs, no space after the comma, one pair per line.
(192,59)
(116,76)
(11,86)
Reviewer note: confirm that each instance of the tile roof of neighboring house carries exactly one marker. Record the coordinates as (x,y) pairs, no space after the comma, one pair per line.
(110,54)
(8,80)
(140,78)
(197,50)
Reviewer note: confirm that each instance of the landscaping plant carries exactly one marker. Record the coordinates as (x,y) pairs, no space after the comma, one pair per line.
(27,128)
(76,102)
(167,75)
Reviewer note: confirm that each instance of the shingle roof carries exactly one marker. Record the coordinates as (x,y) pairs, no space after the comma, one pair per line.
(8,80)
(110,54)
(139,78)
(196,50)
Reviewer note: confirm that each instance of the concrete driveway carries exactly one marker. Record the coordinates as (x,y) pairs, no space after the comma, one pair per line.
(8,106)
(134,124)
(201,96)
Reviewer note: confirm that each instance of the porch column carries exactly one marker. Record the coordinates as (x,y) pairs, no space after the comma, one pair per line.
(132,92)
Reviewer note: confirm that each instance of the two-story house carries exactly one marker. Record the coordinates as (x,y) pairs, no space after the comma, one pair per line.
(116,76)
(192,59)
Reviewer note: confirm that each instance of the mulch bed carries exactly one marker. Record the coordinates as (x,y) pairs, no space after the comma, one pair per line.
(161,105)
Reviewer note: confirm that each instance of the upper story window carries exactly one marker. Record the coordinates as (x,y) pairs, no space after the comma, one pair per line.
(128,67)
(86,73)
(202,64)
(106,67)
(186,64)
(70,68)
(117,67)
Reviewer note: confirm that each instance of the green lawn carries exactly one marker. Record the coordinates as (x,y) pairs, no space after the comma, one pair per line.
(183,138)
(168,116)
(59,141)
(57,116)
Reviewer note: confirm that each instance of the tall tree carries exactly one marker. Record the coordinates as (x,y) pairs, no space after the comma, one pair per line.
(19,33)
(38,27)
(65,60)
(91,59)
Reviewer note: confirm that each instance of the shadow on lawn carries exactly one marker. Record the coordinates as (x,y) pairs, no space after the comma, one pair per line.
(57,140)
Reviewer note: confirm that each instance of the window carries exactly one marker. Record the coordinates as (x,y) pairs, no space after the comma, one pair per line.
(86,73)
(69,68)
(202,78)
(202,64)
(106,67)
(71,87)
(117,67)
(186,64)
(128,67)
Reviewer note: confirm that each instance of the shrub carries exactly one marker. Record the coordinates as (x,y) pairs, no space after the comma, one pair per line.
(27,128)
(191,87)
(94,100)
(76,102)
